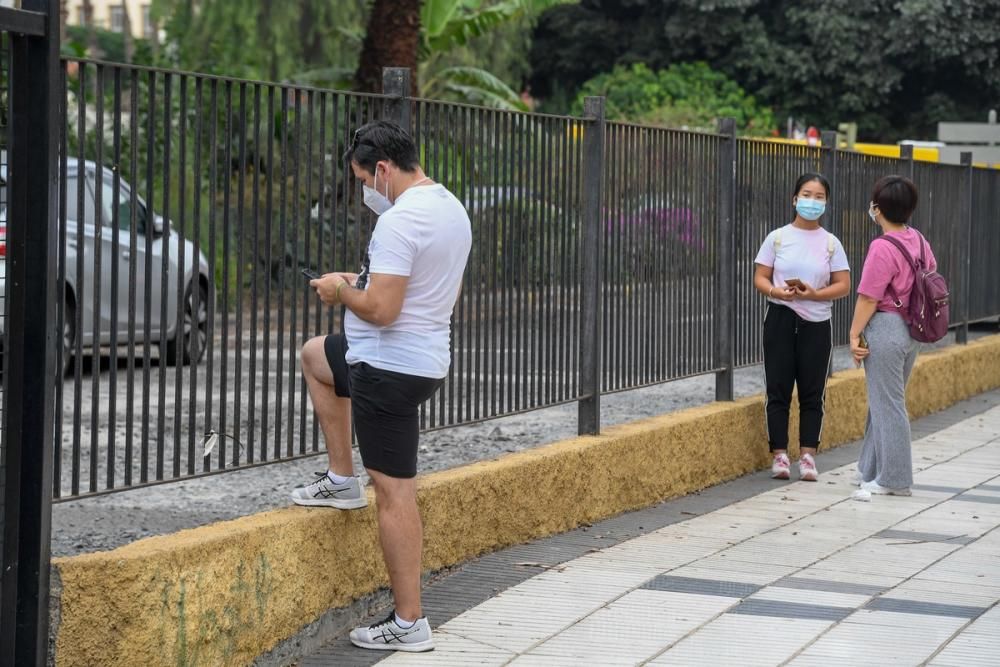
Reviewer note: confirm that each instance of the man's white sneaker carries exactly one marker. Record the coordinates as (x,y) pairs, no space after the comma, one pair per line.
(878,490)
(807,468)
(387,635)
(780,466)
(324,493)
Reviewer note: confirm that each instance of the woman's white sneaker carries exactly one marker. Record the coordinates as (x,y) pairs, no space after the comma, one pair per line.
(388,635)
(807,468)
(780,466)
(878,490)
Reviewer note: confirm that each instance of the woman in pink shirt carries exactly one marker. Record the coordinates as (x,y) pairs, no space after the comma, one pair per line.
(880,338)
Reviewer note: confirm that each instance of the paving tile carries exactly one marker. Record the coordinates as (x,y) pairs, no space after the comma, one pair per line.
(784,609)
(451,650)
(906,606)
(676,584)
(831,586)
(633,628)
(978,644)
(879,638)
(747,641)
(917,536)
(806,596)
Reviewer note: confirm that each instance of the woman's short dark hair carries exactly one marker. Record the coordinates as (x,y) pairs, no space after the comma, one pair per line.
(896,198)
(382,140)
(808,177)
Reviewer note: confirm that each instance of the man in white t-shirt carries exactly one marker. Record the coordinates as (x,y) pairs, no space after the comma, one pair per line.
(393,356)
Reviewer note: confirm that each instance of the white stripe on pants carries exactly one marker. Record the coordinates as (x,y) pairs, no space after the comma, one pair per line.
(885,454)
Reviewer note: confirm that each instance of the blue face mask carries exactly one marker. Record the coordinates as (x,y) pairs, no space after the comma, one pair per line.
(810,209)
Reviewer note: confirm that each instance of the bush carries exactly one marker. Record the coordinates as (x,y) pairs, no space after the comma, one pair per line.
(686,95)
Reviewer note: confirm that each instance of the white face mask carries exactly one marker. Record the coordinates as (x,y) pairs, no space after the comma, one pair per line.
(374,199)
(871,213)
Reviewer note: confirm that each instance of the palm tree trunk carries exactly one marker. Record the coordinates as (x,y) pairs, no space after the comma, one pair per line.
(127,33)
(391,40)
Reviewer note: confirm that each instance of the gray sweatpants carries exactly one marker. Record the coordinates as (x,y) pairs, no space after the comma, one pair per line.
(885,454)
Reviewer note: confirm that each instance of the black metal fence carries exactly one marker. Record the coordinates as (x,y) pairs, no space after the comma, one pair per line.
(606,256)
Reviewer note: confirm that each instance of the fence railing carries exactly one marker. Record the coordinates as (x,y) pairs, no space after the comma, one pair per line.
(606,256)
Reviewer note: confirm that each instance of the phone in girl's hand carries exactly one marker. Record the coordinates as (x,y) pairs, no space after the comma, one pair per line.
(794,282)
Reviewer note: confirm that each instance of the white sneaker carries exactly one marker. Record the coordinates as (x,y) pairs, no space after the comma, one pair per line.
(324,493)
(878,490)
(780,466)
(807,468)
(856,478)
(387,635)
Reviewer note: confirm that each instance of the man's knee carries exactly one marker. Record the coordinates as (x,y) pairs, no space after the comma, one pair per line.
(393,492)
(313,354)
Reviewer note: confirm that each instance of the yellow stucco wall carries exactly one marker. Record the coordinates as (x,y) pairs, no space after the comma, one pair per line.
(226,593)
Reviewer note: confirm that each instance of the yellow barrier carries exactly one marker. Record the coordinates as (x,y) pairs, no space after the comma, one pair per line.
(227,593)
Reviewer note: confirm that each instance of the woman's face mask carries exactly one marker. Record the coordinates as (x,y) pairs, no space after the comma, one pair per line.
(375,200)
(871,213)
(810,209)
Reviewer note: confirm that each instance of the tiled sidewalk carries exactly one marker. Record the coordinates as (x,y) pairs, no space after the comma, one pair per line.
(799,574)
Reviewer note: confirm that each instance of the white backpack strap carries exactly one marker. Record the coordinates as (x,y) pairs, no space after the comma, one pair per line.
(777,241)
(831,247)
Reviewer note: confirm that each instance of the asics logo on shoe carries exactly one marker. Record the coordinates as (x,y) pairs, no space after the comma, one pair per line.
(389,635)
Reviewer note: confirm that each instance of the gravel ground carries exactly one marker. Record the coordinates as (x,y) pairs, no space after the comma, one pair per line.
(106,522)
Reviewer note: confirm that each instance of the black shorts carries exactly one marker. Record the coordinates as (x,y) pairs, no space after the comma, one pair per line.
(386,410)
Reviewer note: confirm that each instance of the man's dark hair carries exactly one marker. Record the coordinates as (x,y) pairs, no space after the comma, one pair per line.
(382,140)
(809,177)
(896,198)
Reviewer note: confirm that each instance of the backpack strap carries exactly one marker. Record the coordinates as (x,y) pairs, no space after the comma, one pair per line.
(777,240)
(831,247)
(909,258)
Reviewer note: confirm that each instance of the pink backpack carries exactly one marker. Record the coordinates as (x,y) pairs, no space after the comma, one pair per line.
(928,313)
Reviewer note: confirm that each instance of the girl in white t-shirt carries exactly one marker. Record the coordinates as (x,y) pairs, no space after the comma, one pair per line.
(801,268)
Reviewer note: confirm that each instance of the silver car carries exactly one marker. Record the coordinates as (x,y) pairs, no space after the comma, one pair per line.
(186,340)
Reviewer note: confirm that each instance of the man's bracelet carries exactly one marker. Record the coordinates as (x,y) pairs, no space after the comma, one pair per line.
(340,287)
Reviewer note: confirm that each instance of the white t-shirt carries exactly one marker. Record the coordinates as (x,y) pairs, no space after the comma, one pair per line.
(804,254)
(426,236)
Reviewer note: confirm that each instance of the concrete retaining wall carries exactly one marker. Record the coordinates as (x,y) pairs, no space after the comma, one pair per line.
(227,593)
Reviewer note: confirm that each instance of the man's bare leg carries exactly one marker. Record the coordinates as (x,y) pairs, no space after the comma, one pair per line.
(332,411)
(401,534)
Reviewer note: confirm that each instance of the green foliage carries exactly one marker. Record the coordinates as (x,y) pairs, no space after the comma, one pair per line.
(475,85)
(260,39)
(896,67)
(690,95)
(449,26)
(110,44)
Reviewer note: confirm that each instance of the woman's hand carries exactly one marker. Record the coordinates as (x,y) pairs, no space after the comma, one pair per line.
(859,353)
(783,293)
(807,292)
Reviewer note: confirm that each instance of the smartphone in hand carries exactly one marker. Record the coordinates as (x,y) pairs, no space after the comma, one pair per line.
(311,275)
(794,282)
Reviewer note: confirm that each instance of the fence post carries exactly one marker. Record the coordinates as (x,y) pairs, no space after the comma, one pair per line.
(965,252)
(396,84)
(828,167)
(725,262)
(591,257)
(906,155)
(29,415)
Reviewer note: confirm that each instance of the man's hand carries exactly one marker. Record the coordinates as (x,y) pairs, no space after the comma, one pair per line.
(328,284)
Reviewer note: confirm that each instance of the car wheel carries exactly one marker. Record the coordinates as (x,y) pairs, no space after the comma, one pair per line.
(191,339)
(69,335)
